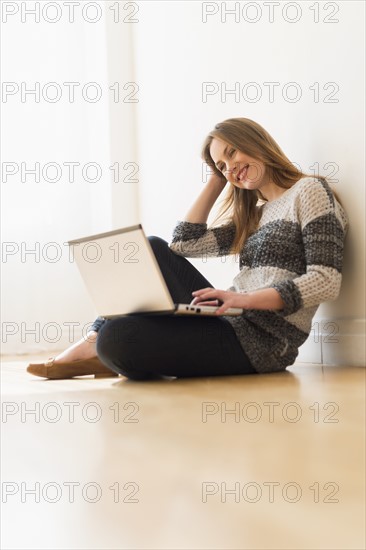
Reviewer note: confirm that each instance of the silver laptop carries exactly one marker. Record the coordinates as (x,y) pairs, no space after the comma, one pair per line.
(123,277)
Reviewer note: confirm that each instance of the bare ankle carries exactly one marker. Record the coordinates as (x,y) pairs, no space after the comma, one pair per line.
(91,336)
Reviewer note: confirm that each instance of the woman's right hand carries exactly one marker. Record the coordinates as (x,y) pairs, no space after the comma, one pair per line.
(217,179)
(201,208)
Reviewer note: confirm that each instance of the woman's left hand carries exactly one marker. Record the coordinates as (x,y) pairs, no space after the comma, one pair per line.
(215,297)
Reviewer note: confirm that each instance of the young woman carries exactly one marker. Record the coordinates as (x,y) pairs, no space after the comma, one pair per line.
(287,228)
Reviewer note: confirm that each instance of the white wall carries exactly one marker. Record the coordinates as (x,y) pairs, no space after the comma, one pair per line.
(170,52)
(173,119)
(38,294)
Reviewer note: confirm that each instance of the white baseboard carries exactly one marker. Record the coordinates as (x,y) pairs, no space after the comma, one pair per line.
(335,342)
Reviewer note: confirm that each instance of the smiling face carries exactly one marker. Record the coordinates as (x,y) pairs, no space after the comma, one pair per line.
(240,169)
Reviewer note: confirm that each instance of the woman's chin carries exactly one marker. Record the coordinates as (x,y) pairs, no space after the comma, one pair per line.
(246,184)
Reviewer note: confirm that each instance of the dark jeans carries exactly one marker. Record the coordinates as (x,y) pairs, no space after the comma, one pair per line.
(146,346)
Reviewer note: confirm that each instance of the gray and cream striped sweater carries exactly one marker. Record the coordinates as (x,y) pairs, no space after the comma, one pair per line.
(297,249)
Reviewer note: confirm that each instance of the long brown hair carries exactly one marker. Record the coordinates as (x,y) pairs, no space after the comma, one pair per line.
(242,204)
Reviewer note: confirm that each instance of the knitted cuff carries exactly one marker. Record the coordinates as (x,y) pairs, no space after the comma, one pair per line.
(291,295)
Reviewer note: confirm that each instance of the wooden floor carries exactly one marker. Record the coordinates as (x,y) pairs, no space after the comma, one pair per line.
(252,462)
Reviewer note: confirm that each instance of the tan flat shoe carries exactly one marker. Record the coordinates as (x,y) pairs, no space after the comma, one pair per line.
(69,369)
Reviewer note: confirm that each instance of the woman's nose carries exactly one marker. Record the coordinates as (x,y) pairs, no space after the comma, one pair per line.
(232,169)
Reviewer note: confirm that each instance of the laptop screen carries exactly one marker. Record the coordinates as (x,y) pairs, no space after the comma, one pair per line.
(121,273)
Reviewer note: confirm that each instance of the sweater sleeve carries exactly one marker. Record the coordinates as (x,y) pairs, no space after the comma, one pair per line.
(194,240)
(324,224)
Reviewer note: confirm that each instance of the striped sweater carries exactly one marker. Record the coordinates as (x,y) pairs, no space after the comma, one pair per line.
(297,249)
